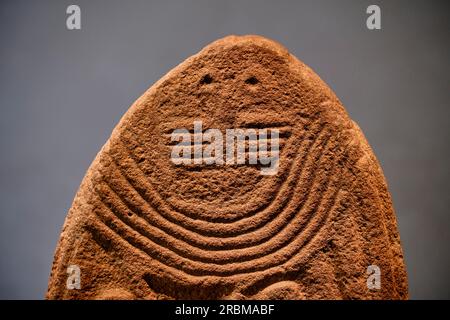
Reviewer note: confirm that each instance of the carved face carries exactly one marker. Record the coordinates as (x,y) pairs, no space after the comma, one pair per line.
(143,226)
(242,97)
(223,221)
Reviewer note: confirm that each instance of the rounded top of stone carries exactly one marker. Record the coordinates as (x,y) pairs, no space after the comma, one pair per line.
(247,40)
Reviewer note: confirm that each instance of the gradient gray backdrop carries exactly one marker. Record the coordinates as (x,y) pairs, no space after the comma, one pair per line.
(62,92)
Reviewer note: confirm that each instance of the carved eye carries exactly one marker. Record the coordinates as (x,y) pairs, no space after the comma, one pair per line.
(252,80)
(207,79)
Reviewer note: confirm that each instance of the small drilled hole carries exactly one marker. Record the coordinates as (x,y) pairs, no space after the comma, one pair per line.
(252,80)
(207,79)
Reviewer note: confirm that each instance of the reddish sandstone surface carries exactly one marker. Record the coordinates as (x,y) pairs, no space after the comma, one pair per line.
(141,227)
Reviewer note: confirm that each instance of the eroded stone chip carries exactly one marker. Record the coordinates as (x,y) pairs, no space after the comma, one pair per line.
(144,227)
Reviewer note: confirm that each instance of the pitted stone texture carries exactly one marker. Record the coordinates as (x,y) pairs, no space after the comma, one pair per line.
(141,227)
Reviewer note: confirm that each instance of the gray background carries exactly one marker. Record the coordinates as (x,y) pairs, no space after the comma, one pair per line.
(62,92)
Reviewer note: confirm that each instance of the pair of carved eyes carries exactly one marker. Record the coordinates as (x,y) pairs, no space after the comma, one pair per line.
(207,79)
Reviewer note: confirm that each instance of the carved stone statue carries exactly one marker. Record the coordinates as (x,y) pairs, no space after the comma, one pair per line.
(321,227)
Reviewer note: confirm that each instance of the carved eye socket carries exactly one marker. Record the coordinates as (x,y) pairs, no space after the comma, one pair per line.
(252,80)
(206,79)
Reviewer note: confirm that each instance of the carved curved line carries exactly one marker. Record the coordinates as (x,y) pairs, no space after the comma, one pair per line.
(232,255)
(224,218)
(186,234)
(141,246)
(299,259)
(198,269)
(243,226)
(203,228)
(227,215)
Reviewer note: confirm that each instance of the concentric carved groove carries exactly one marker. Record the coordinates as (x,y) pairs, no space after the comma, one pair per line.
(193,255)
(192,267)
(242,226)
(257,236)
(149,195)
(225,214)
(173,227)
(204,255)
(218,214)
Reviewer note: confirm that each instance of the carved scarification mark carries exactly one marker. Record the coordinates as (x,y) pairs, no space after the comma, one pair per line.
(284,133)
(251,145)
